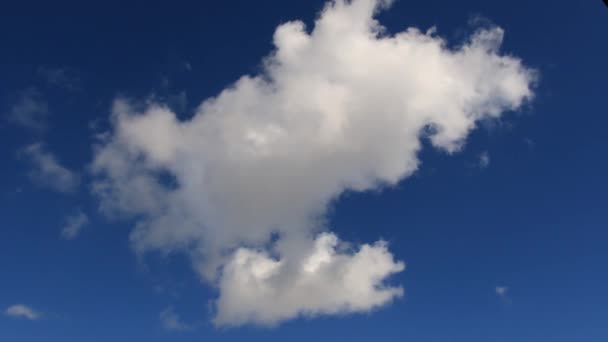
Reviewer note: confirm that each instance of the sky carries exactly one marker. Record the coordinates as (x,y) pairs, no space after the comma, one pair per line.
(375,170)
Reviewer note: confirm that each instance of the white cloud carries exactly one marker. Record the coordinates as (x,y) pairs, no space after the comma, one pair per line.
(48,172)
(484,159)
(73,225)
(501,291)
(341,107)
(171,321)
(22,311)
(30,111)
(325,281)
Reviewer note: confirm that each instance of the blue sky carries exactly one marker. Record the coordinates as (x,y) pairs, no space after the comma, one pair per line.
(501,228)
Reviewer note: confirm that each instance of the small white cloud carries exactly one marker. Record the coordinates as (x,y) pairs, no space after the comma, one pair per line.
(171,321)
(484,160)
(73,225)
(22,311)
(30,111)
(503,293)
(48,172)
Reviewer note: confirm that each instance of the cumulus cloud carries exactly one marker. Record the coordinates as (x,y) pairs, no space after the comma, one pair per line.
(325,281)
(73,225)
(243,187)
(30,111)
(171,320)
(22,311)
(48,172)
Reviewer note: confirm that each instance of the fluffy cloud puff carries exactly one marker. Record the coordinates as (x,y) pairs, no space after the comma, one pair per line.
(343,106)
(324,282)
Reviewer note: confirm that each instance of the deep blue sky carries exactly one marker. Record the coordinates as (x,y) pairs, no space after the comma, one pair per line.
(534,220)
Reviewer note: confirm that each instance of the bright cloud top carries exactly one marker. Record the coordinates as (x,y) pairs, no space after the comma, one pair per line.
(341,107)
(325,281)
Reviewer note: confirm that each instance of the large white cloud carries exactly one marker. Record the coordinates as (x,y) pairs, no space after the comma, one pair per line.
(244,185)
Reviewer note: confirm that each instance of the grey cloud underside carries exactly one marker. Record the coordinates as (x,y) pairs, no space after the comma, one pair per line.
(342,107)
